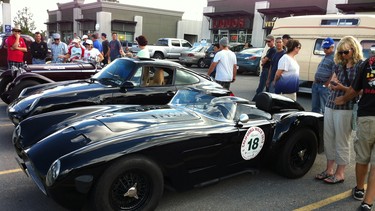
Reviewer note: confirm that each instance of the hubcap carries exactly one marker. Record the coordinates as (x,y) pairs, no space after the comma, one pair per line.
(132,192)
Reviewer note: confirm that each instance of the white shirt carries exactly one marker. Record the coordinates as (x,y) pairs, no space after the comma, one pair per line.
(224,69)
(144,53)
(90,54)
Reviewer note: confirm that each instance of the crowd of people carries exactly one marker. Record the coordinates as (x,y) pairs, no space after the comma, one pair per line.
(88,47)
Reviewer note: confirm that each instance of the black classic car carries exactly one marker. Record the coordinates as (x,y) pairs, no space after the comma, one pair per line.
(123,81)
(120,157)
(13,81)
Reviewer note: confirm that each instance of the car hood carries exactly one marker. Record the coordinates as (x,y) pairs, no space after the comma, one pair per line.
(131,127)
(24,106)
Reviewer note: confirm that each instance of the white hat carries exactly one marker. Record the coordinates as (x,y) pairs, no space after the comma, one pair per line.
(76,40)
(89,42)
(84,37)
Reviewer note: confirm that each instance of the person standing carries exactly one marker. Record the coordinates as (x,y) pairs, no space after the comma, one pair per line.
(338,118)
(364,146)
(97,43)
(216,49)
(225,62)
(274,63)
(75,52)
(58,49)
(91,52)
(287,75)
(38,49)
(106,50)
(319,90)
(266,62)
(115,48)
(286,38)
(16,48)
(84,38)
(142,42)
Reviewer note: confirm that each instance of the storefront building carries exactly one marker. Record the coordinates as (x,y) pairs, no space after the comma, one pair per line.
(78,17)
(251,20)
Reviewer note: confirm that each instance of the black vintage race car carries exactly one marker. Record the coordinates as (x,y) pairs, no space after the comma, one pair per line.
(120,157)
(124,81)
(14,80)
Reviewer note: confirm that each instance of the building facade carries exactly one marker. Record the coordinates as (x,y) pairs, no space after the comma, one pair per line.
(251,20)
(78,17)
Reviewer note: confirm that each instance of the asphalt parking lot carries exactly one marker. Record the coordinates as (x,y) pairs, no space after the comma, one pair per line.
(262,190)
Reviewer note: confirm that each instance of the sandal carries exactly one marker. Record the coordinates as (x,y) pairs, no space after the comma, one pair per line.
(323,175)
(333,180)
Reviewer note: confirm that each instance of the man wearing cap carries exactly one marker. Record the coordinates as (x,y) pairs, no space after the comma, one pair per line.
(58,49)
(91,52)
(38,49)
(320,91)
(76,51)
(225,62)
(106,49)
(266,63)
(16,48)
(84,38)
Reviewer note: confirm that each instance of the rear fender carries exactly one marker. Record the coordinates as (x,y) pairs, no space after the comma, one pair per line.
(287,126)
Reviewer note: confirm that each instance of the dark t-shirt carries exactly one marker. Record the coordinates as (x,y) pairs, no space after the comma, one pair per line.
(39,50)
(105,44)
(274,63)
(365,79)
(269,55)
(114,46)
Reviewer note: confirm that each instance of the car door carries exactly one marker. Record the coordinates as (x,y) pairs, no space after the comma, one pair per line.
(248,146)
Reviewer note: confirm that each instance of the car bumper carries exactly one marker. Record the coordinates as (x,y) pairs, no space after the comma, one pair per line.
(184,60)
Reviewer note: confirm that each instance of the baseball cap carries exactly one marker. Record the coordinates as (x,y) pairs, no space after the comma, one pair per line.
(84,37)
(269,38)
(286,36)
(89,42)
(76,41)
(223,41)
(328,42)
(104,35)
(56,36)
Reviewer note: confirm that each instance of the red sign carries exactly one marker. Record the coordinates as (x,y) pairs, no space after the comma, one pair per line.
(227,23)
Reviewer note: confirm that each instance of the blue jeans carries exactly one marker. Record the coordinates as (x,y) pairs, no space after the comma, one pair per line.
(38,61)
(262,83)
(319,97)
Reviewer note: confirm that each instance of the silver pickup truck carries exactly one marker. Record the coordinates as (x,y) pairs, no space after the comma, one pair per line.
(167,48)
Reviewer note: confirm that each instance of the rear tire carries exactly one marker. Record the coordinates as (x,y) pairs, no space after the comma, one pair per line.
(4,82)
(201,63)
(158,55)
(131,183)
(16,91)
(298,154)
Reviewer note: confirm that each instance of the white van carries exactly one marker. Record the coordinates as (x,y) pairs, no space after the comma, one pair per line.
(313,29)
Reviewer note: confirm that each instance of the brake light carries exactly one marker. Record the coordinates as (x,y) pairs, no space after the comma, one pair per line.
(231,94)
(251,58)
(190,55)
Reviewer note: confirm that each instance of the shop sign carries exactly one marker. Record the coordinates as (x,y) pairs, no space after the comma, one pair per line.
(227,23)
(269,24)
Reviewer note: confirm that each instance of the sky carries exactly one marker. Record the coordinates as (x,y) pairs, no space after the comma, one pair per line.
(193,8)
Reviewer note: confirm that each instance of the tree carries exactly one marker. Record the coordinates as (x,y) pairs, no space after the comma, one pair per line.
(25,20)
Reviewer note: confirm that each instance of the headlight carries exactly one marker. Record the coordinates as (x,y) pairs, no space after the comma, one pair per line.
(53,173)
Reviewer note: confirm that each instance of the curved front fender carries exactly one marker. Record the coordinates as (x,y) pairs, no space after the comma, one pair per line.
(31,76)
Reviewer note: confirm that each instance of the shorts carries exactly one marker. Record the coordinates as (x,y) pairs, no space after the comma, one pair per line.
(364,145)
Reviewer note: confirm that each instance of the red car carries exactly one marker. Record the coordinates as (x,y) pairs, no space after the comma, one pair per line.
(4,52)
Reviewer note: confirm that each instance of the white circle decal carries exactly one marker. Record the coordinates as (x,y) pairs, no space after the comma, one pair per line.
(252,143)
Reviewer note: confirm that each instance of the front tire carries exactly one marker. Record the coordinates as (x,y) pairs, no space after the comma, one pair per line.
(158,55)
(298,154)
(131,183)
(16,91)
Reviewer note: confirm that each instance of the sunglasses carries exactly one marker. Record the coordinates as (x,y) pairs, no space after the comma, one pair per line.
(56,39)
(326,48)
(343,52)
(268,40)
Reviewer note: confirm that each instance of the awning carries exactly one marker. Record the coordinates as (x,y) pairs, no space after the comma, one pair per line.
(64,21)
(124,22)
(227,14)
(357,7)
(85,20)
(287,11)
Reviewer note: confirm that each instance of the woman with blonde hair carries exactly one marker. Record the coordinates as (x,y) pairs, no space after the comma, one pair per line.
(338,118)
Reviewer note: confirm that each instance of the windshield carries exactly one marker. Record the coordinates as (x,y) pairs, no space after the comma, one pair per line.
(252,51)
(219,108)
(116,72)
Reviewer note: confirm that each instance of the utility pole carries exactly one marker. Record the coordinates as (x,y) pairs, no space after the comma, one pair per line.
(7,20)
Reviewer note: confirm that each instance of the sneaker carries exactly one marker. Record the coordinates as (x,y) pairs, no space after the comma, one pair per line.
(358,193)
(365,207)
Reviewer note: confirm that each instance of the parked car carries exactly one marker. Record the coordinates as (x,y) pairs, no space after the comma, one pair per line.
(235,47)
(194,56)
(4,51)
(13,81)
(248,60)
(123,81)
(167,48)
(120,157)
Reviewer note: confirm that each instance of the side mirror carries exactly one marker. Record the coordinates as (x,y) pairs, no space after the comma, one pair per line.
(126,85)
(244,118)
